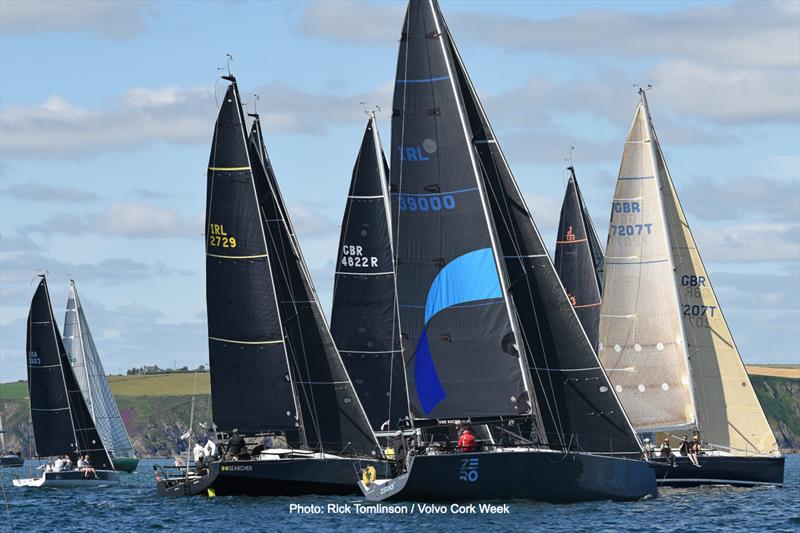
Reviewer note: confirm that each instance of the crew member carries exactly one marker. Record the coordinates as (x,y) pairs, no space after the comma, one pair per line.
(666,451)
(236,445)
(684,448)
(694,451)
(648,448)
(466,442)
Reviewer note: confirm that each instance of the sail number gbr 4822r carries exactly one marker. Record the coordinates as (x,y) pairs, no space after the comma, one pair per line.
(353,256)
(217,237)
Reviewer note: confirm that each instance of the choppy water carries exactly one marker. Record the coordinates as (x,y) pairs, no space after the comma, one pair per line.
(134,506)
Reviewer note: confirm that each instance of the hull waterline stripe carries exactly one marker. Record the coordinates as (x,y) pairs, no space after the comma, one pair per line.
(228,169)
(719,481)
(234,341)
(237,256)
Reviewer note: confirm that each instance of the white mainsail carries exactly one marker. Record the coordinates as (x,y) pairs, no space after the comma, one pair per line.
(657,289)
(641,339)
(729,414)
(92,379)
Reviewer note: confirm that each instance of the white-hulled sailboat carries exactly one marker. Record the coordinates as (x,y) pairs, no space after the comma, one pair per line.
(663,338)
(62,425)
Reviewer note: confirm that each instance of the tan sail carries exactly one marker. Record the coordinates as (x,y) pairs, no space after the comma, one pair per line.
(641,339)
(729,414)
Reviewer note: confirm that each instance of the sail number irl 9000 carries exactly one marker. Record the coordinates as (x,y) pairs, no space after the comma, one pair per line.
(218,238)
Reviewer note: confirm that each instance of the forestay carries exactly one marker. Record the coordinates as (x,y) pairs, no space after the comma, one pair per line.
(91,379)
(728,411)
(364,318)
(641,339)
(332,417)
(576,407)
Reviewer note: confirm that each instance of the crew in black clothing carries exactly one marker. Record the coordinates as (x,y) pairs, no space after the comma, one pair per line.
(236,447)
(684,449)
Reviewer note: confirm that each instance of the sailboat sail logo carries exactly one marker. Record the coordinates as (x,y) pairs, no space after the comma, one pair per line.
(469,470)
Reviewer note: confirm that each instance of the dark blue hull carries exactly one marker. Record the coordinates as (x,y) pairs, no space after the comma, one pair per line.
(720,470)
(530,475)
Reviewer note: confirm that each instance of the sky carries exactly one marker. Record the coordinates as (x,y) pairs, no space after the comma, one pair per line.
(107,111)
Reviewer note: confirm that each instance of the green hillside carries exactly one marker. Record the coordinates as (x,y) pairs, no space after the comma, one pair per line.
(156,409)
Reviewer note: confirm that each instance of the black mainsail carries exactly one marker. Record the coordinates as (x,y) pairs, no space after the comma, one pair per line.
(251,385)
(458,329)
(62,423)
(364,318)
(574,402)
(579,259)
(333,419)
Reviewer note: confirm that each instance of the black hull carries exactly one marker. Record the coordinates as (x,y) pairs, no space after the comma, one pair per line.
(720,470)
(530,475)
(282,477)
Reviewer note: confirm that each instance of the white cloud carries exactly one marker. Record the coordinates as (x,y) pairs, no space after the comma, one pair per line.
(42,192)
(749,242)
(356,22)
(127,220)
(120,19)
(760,198)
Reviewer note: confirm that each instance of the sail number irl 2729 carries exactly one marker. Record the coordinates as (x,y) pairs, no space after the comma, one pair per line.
(218,238)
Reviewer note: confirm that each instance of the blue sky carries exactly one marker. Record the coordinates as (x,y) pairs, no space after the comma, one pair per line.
(107,110)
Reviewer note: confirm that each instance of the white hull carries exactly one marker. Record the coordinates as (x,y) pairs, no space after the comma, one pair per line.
(69,479)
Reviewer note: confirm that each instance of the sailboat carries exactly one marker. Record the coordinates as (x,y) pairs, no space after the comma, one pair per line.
(489,336)
(274,367)
(365,318)
(579,258)
(8,457)
(94,386)
(663,337)
(62,424)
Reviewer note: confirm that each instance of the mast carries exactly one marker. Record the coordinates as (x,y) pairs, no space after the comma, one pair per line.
(364,317)
(660,183)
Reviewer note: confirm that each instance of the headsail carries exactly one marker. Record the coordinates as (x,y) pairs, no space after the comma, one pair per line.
(61,421)
(458,337)
(251,386)
(364,318)
(332,416)
(576,405)
(92,380)
(728,412)
(579,259)
(641,334)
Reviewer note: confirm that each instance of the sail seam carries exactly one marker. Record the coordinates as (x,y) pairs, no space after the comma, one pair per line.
(227,169)
(245,342)
(237,256)
(364,273)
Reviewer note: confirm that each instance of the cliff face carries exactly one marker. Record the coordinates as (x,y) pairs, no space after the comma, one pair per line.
(155,423)
(780,398)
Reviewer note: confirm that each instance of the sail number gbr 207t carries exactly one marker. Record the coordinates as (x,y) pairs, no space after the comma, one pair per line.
(218,238)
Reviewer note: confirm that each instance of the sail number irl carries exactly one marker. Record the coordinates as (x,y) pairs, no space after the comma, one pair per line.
(218,238)
(352,256)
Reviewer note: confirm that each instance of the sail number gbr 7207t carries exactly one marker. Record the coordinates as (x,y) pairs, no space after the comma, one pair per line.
(217,238)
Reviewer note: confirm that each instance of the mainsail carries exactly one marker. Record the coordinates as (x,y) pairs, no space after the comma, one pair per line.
(728,412)
(579,259)
(364,317)
(576,406)
(642,343)
(251,385)
(61,421)
(91,378)
(458,335)
(333,418)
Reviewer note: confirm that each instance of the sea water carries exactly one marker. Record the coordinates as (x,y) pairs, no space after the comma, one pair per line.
(133,506)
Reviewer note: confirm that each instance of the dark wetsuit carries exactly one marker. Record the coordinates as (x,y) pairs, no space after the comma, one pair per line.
(236,445)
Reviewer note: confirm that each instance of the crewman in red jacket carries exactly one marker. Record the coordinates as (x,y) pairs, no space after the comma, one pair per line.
(466,442)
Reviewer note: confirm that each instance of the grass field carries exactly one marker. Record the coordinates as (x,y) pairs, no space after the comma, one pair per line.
(777,371)
(142,385)
(184,384)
